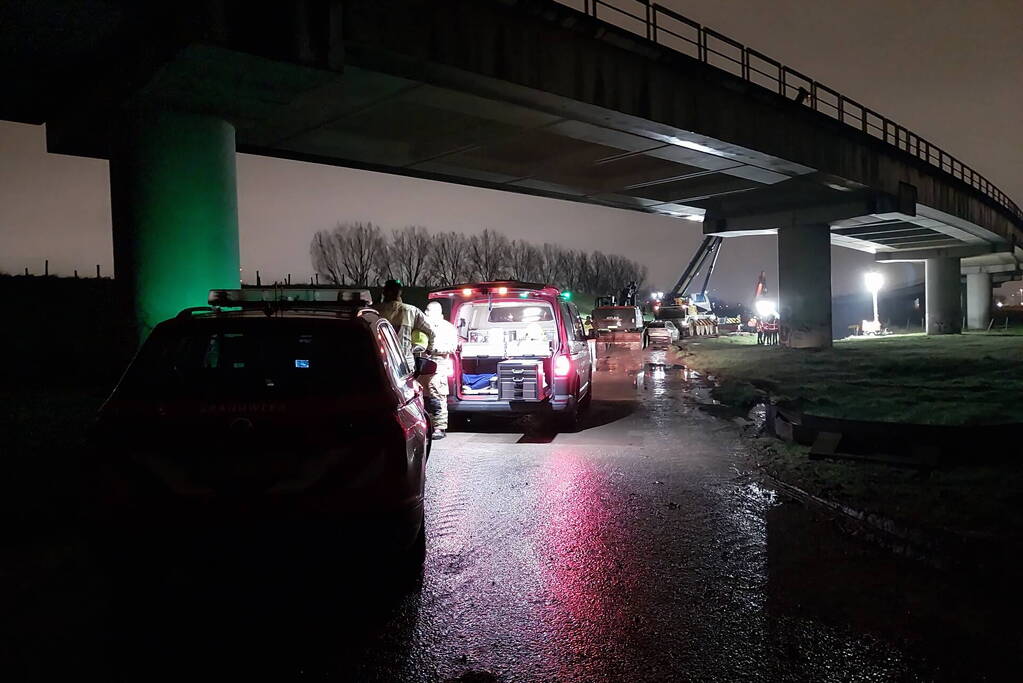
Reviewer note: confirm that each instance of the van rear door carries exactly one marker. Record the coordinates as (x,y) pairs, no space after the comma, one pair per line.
(577,347)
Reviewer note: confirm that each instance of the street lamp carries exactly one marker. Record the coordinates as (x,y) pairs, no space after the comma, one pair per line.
(874,281)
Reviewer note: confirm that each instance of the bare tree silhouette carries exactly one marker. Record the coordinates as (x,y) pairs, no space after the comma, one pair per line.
(360,253)
(449,262)
(351,251)
(524,261)
(326,256)
(411,250)
(488,252)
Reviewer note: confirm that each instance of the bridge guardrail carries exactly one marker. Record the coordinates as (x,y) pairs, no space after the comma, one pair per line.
(674,31)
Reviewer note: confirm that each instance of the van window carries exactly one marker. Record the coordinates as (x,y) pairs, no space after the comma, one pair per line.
(573,327)
(508,329)
(529,313)
(577,322)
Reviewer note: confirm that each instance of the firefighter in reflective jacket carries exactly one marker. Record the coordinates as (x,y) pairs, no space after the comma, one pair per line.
(404,318)
(445,343)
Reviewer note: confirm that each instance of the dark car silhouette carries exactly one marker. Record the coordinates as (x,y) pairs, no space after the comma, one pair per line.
(297,415)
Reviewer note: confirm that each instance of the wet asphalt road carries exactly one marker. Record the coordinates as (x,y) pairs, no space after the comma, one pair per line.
(644,548)
(641,548)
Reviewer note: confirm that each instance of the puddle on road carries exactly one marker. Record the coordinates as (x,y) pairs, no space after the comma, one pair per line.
(656,384)
(660,378)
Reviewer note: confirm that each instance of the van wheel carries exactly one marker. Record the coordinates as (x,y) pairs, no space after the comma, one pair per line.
(586,401)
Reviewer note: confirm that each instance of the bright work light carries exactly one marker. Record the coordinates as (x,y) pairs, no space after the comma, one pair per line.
(765,307)
(874,280)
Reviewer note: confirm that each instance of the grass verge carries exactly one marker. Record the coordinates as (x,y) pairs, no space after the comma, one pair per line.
(967,379)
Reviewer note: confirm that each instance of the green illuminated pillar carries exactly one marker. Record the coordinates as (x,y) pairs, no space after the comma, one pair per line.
(175,212)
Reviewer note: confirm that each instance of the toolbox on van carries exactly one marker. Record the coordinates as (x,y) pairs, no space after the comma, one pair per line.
(520,380)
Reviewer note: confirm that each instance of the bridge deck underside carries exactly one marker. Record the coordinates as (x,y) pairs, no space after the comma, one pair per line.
(374,120)
(559,148)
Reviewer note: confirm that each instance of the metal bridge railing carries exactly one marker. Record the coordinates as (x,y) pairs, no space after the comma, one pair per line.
(683,35)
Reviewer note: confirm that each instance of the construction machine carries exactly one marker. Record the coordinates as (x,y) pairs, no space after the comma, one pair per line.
(617,319)
(691,309)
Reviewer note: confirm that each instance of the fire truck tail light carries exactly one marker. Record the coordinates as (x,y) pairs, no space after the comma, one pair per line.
(562,366)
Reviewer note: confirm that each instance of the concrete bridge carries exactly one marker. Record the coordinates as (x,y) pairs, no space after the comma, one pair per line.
(651,112)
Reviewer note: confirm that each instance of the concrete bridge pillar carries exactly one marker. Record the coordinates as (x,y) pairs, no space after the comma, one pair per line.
(978,300)
(804,285)
(942,290)
(175,212)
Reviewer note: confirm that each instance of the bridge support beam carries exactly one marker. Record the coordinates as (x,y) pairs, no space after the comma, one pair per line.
(944,313)
(804,285)
(978,300)
(175,212)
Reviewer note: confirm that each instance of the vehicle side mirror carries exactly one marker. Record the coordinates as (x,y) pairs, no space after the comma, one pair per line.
(425,366)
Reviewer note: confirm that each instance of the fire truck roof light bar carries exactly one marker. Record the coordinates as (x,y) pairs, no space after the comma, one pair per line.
(260,296)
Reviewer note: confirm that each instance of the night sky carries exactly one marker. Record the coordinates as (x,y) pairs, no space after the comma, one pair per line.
(950,71)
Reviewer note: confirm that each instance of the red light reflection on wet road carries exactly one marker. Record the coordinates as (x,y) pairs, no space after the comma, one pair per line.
(588,565)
